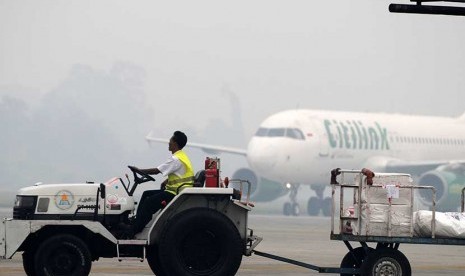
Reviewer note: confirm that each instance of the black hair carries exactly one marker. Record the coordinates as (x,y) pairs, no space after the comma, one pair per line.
(180,138)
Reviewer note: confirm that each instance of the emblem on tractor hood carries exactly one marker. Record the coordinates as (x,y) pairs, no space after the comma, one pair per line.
(64,200)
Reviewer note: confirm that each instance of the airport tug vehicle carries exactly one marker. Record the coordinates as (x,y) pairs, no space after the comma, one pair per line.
(62,228)
(378,211)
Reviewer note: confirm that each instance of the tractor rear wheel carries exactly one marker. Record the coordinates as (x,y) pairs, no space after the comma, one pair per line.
(153,258)
(201,242)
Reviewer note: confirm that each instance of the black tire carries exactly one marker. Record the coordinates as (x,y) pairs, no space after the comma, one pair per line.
(63,254)
(153,258)
(201,242)
(354,259)
(295,209)
(326,207)
(28,263)
(313,206)
(287,209)
(386,261)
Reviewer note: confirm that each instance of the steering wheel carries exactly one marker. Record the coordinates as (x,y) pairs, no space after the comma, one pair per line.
(139,176)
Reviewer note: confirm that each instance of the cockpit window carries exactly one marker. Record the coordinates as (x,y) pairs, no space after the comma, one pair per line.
(276,132)
(261,132)
(293,133)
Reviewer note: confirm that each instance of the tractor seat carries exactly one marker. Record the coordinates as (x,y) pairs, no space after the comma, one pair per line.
(199,178)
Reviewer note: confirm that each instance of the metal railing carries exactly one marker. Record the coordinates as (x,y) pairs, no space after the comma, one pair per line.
(357,201)
(241,183)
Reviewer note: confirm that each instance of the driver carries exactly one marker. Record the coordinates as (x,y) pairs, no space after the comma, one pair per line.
(180,174)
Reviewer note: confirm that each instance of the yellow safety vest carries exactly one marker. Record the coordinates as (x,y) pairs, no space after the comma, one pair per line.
(185,180)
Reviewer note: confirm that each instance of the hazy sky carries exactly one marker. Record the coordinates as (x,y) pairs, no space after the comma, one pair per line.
(273,54)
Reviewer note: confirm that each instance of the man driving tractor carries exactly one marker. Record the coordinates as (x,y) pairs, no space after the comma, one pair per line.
(178,169)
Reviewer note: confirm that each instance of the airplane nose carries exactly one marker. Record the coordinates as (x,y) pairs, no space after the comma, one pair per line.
(279,159)
(261,156)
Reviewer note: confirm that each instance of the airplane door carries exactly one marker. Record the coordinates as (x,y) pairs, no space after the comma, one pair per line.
(322,136)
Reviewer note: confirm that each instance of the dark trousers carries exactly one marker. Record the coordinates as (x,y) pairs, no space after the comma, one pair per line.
(150,203)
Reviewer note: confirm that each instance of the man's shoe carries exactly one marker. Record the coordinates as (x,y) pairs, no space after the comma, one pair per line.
(132,220)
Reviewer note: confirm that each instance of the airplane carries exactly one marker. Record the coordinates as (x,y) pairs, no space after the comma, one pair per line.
(300,147)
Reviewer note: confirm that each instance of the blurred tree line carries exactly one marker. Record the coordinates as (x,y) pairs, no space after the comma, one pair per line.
(87,128)
(93,124)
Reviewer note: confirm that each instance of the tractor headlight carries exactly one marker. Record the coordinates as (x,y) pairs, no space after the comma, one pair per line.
(24,207)
(25,201)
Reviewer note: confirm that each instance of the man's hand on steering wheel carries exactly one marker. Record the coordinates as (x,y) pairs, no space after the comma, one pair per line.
(140,176)
(163,184)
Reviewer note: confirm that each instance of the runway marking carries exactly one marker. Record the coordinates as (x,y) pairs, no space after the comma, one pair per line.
(131,270)
(271,267)
(439,267)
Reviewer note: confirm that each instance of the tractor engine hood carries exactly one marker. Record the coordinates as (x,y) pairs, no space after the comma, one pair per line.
(66,198)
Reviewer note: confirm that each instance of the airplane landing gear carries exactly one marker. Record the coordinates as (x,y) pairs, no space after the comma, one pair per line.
(315,204)
(292,208)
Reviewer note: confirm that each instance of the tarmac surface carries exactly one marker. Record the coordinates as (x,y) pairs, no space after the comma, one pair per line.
(304,238)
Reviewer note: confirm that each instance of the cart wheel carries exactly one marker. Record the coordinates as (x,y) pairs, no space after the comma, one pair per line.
(386,261)
(354,259)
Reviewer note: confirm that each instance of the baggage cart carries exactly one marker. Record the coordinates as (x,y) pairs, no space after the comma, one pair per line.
(375,252)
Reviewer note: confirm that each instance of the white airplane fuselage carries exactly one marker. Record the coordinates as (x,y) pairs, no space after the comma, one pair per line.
(298,147)
(350,140)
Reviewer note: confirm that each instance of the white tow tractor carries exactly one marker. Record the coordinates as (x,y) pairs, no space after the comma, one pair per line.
(62,228)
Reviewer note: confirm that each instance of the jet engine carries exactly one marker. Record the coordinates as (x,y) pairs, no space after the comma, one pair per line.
(448,180)
(262,189)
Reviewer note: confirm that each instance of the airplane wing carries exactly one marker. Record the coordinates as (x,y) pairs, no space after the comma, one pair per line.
(212,149)
(418,167)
